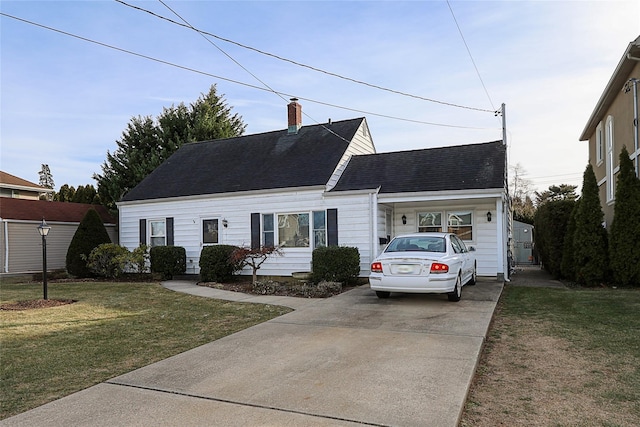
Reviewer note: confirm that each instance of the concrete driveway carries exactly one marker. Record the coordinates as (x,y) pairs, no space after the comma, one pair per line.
(349,360)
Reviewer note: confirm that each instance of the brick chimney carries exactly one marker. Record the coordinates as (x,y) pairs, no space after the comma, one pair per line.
(294,113)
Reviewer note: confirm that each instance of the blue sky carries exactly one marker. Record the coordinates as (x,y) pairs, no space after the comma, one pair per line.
(65,101)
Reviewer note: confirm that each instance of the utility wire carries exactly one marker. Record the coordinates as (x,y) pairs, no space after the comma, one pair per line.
(245,69)
(471,56)
(304,65)
(193,70)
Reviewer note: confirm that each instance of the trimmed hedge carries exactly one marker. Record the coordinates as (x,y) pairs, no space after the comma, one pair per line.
(335,264)
(216,264)
(168,260)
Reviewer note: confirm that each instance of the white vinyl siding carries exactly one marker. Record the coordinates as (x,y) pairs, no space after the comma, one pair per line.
(237,209)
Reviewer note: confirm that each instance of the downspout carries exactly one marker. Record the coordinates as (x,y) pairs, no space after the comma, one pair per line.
(5,261)
(373,236)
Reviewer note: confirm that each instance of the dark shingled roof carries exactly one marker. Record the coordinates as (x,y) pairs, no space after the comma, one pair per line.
(462,167)
(253,162)
(36,210)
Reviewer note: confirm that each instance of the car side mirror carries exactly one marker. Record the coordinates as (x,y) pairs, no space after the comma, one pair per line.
(472,249)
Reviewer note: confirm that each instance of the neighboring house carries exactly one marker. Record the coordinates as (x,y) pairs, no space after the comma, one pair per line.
(21,244)
(614,123)
(319,185)
(18,188)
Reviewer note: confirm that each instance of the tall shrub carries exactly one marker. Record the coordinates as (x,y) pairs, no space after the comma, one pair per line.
(568,267)
(624,247)
(590,249)
(550,222)
(90,233)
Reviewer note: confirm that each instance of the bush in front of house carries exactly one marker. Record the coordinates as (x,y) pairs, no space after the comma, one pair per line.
(335,264)
(90,233)
(168,260)
(109,260)
(216,264)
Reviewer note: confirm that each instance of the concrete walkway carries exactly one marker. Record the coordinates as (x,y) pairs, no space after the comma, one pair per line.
(349,360)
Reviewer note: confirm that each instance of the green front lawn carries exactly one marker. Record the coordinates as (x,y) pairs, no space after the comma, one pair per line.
(113,328)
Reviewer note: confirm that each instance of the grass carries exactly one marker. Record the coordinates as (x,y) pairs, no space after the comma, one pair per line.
(112,329)
(592,319)
(601,327)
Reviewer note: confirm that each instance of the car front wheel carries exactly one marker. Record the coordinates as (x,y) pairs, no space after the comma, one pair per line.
(457,291)
(383,294)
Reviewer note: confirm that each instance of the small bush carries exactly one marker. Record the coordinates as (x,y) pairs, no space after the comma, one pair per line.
(216,264)
(335,264)
(108,260)
(140,259)
(168,260)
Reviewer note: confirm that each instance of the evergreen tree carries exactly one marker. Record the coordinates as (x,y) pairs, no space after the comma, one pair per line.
(90,233)
(568,262)
(148,142)
(551,221)
(590,241)
(65,194)
(624,249)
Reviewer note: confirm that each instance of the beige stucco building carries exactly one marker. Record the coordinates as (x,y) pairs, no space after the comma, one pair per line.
(614,124)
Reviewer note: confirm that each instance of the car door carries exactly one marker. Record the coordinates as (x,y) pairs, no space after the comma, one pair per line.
(466,259)
(458,255)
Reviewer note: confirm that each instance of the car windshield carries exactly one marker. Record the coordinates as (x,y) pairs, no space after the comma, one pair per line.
(418,243)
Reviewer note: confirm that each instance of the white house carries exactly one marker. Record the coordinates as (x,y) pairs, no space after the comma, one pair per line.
(310,186)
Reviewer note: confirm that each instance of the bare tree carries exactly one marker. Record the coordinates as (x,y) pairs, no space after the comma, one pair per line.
(46,179)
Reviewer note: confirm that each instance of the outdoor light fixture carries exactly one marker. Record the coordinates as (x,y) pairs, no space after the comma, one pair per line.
(225,223)
(404,219)
(489,216)
(43,230)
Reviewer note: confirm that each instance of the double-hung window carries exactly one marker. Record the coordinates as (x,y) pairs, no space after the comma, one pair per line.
(268,231)
(429,222)
(461,224)
(319,229)
(157,233)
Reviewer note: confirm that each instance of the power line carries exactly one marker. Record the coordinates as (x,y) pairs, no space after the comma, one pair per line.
(247,70)
(204,73)
(471,56)
(307,66)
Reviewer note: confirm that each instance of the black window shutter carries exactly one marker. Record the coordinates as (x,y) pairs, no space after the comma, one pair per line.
(169,225)
(332,227)
(143,232)
(255,231)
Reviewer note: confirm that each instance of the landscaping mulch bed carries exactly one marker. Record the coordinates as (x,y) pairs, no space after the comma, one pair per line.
(291,289)
(35,303)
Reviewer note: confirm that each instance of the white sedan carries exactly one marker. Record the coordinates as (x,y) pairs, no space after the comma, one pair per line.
(424,263)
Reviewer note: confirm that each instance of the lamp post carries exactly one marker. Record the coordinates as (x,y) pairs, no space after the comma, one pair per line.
(43,229)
